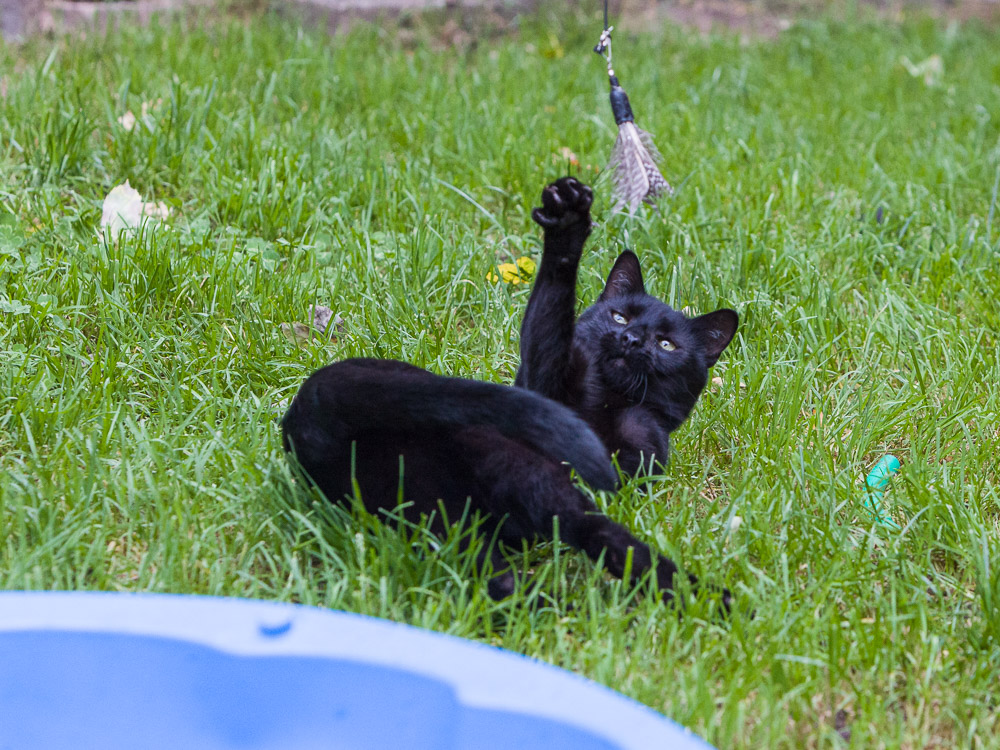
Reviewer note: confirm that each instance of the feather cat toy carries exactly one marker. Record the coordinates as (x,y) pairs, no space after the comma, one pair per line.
(635,176)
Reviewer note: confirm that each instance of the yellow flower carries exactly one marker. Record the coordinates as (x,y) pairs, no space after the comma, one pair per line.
(514,273)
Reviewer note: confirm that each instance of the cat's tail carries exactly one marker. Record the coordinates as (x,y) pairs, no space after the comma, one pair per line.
(359,395)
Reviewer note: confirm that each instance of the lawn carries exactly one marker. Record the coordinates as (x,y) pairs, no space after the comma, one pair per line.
(837,185)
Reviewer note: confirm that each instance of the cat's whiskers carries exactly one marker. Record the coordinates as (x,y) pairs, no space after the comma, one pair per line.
(637,380)
(645,386)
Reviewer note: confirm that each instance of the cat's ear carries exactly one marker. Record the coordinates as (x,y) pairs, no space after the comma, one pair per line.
(715,330)
(625,277)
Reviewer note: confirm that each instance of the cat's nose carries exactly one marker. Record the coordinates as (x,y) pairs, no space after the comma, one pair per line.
(631,339)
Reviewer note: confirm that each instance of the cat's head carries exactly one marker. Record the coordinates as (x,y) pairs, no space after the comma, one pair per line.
(643,350)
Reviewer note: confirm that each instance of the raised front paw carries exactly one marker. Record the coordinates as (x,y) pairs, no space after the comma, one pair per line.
(565,203)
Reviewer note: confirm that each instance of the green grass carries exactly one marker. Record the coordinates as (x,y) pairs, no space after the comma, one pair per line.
(384,175)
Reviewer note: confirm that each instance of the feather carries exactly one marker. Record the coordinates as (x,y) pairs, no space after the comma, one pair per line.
(634,175)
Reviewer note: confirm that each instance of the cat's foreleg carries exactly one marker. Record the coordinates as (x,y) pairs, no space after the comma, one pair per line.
(547,329)
(596,534)
(533,494)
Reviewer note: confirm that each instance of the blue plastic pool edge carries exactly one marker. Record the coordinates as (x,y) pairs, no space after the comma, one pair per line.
(481,676)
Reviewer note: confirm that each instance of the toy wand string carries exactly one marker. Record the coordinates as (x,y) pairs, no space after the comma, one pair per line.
(634,175)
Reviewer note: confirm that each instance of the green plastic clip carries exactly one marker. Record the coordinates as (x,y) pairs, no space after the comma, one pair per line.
(876,484)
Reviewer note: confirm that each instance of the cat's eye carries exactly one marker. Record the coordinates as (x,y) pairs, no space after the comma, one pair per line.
(619,318)
(667,345)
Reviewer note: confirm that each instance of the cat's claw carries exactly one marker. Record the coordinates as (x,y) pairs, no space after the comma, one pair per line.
(565,203)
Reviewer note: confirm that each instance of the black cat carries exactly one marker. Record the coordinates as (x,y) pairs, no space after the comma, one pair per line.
(619,379)
(631,366)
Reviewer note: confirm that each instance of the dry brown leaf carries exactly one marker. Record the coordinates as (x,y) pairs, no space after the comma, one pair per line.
(325,324)
(322,317)
(296,333)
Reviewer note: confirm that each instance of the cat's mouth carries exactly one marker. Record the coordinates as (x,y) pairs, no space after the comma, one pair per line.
(635,361)
(627,374)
